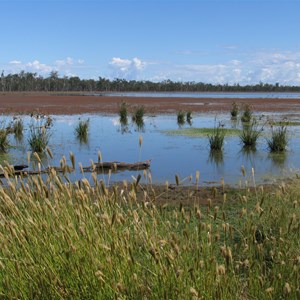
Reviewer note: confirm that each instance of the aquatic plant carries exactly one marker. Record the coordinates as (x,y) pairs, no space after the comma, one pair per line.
(18,127)
(39,132)
(279,139)
(189,117)
(4,144)
(180,117)
(247,113)
(138,114)
(38,139)
(234,110)
(216,138)
(123,113)
(82,130)
(250,135)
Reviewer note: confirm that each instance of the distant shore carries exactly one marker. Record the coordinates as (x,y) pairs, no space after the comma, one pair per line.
(77,103)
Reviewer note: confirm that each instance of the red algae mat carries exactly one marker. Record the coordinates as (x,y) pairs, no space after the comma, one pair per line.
(48,103)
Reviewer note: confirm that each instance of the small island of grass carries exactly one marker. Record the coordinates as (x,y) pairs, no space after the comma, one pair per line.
(202,132)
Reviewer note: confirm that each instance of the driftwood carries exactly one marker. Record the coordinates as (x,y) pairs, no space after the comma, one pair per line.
(102,167)
(118,166)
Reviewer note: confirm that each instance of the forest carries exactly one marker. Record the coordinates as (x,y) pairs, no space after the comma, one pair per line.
(31,82)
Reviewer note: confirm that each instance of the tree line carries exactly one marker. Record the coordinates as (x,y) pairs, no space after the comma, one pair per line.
(26,81)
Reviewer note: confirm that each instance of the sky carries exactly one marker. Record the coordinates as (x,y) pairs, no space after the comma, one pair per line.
(211,41)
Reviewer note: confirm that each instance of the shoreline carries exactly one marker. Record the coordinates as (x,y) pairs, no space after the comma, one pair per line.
(76,103)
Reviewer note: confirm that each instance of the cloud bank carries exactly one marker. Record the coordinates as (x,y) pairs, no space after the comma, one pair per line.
(263,66)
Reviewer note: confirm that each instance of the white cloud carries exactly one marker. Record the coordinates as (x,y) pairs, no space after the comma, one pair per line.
(37,66)
(127,68)
(80,61)
(15,62)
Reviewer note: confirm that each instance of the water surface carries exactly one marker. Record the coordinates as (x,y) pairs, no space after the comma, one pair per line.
(169,154)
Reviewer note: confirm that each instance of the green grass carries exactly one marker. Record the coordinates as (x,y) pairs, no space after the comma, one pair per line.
(38,139)
(278,140)
(82,130)
(234,110)
(247,113)
(286,123)
(250,135)
(203,132)
(181,117)
(4,143)
(123,113)
(83,241)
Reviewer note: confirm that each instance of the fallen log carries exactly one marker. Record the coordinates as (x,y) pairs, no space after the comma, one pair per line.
(118,166)
(102,167)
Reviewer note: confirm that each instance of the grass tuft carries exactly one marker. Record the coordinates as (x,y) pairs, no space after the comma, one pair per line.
(180,117)
(4,144)
(234,110)
(247,114)
(250,135)
(279,139)
(82,130)
(123,113)
(216,138)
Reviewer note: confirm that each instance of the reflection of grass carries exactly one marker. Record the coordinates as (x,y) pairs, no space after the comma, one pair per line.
(203,132)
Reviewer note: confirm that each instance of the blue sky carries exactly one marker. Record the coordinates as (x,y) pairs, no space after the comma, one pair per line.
(206,40)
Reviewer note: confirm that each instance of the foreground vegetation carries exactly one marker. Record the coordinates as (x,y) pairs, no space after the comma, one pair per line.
(82,241)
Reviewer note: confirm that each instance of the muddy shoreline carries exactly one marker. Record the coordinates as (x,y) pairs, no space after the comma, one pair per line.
(76,103)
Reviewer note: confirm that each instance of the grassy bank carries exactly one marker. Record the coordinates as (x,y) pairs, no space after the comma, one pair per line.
(65,241)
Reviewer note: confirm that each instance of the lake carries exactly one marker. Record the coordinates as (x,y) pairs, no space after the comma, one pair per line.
(205,95)
(170,154)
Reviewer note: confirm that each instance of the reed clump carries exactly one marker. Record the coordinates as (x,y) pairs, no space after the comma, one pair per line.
(278,140)
(82,130)
(138,114)
(18,127)
(189,117)
(234,110)
(180,117)
(83,240)
(250,135)
(4,143)
(216,138)
(123,113)
(247,114)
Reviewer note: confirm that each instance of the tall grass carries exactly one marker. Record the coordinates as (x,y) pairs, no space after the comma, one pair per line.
(123,113)
(85,241)
(247,114)
(4,143)
(38,139)
(250,135)
(279,139)
(189,118)
(138,117)
(180,117)
(234,110)
(18,127)
(138,114)
(216,138)
(82,130)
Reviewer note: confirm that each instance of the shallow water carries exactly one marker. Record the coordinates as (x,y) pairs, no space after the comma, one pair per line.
(205,95)
(169,154)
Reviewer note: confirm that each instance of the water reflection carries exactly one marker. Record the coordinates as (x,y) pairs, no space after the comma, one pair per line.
(216,157)
(249,154)
(279,159)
